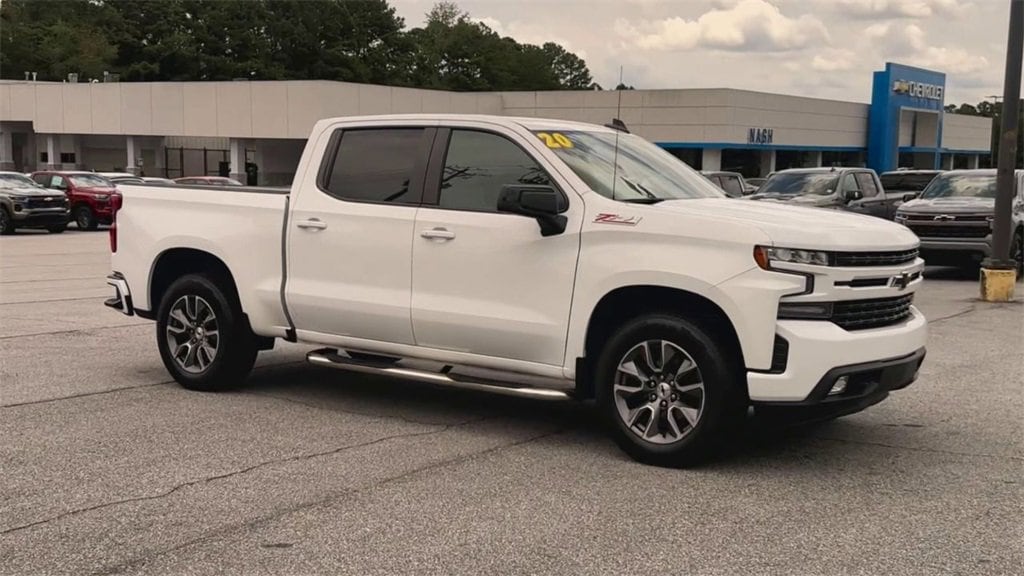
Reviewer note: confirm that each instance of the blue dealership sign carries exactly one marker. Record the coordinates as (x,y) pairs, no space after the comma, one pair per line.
(897,88)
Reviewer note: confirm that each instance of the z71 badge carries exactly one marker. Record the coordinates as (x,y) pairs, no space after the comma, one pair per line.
(605,218)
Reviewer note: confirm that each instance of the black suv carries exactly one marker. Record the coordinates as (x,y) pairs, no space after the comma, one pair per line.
(853,189)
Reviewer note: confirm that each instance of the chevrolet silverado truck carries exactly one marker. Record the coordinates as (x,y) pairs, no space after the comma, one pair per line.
(849,189)
(25,204)
(534,258)
(953,218)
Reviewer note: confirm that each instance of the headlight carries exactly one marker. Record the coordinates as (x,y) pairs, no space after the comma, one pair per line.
(103,197)
(766,255)
(19,198)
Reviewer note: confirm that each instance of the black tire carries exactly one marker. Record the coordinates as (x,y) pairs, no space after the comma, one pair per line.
(6,222)
(85,219)
(236,346)
(57,228)
(723,406)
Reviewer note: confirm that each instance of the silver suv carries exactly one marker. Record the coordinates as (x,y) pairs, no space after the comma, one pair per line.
(25,204)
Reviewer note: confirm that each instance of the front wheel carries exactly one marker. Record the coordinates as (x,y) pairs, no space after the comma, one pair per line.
(85,219)
(6,222)
(204,340)
(671,393)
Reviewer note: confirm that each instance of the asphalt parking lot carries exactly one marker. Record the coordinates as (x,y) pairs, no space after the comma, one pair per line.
(107,467)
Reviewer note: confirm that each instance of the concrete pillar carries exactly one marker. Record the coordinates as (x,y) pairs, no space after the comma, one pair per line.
(975,161)
(159,155)
(236,156)
(767,162)
(815,160)
(258,160)
(711,160)
(52,152)
(132,154)
(6,150)
(76,147)
(947,161)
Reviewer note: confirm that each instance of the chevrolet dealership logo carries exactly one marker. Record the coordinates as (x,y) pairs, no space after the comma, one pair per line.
(917,89)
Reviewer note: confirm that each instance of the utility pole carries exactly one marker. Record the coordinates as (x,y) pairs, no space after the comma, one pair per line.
(999,271)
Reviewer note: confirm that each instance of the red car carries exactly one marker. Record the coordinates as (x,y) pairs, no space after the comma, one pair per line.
(90,195)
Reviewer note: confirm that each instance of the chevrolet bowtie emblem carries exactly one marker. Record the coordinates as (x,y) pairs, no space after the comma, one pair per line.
(944,218)
(901,281)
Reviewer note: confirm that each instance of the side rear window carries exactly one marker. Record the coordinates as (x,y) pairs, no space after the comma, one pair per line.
(382,165)
(867,184)
(42,179)
(478,165)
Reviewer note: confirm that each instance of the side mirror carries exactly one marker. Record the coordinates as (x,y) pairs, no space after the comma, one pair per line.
(543,203)
(909,196)
(851,195)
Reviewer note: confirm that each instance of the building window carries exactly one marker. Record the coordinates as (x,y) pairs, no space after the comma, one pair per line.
(67,157)
(44,157)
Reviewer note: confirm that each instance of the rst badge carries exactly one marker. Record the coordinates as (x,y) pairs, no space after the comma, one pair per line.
(606,218)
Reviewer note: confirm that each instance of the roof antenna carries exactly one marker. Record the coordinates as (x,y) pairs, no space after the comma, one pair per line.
(616,121)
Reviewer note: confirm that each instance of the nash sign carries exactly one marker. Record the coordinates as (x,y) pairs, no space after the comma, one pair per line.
(760,135)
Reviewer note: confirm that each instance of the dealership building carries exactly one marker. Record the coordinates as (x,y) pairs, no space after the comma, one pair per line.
(255,130)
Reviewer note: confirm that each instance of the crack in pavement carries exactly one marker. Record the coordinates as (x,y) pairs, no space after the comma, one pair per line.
(971,308)
(75,331)
(918,449)
(125,566)
(238,472)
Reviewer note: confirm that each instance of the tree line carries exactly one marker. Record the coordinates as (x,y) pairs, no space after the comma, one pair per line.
(344,40)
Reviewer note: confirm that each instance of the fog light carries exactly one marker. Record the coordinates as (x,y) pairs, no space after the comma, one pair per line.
(840,386)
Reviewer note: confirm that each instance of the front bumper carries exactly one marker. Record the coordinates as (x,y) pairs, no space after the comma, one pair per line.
(939,250)
(122,300)
(28,217)
(817,349)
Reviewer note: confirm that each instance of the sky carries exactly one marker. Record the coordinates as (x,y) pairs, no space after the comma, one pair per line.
(816,48)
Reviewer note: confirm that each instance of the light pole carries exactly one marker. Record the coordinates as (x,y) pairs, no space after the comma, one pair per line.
(999,271)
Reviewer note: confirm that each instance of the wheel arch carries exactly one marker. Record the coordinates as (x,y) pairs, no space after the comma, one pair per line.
(625,302)
(174,263)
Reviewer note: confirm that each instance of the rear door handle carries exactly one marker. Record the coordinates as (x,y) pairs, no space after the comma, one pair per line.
(438,234)
(311,224)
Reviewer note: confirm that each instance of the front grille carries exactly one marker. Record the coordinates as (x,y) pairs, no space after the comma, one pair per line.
(873,258)
(875,313)
(947,218)
(948,231)
(54,202)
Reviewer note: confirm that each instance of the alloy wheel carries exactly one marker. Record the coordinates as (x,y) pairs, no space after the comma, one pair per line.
(659,392)
(192,334)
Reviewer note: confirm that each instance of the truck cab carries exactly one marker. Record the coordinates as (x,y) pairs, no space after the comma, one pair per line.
(851,189)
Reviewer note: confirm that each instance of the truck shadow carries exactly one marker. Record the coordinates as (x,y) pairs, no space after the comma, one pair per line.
(350,393)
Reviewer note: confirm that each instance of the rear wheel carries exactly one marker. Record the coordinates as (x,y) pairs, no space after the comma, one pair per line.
(6,222)
(85,219)
(670,392)
(204,340)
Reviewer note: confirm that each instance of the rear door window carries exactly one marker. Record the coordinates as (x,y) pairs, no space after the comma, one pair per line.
(380,165)
(867,184)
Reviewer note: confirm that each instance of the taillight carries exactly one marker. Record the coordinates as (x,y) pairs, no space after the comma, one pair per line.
(115,205)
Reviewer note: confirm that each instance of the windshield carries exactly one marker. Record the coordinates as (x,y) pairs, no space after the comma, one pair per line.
(961,186)
(638,172)
(89,181)
(17,181)
(795,183)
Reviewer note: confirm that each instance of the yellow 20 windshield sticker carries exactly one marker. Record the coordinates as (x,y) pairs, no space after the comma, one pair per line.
(555,139)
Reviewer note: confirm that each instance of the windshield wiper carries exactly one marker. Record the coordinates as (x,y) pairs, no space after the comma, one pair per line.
(650,200)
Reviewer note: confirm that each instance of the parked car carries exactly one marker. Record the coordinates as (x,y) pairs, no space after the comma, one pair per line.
(908,183)
(953,218)
(851,189)
(121,177)
(516,256)
(755,183)
(208,181)
(156,180)
(730,182)
(25,204)
(90,195)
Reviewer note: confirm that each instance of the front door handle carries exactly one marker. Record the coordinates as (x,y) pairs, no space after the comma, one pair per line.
(438,234)
(311,224)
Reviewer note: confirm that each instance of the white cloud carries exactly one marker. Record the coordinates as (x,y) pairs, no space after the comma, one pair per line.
(910,45)
(527,33)
(900,8)
(834,60)
(746,25)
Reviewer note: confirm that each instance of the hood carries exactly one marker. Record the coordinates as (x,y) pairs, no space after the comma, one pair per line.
(954,205)
(30,191)
(813,200)
(801,227)
(97,189)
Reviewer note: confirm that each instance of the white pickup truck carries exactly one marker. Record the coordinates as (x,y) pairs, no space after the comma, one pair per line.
(529,257)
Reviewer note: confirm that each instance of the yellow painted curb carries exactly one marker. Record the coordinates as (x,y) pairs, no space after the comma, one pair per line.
(997,285)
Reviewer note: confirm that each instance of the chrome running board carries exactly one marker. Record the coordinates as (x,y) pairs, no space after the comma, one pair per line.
(445,375)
